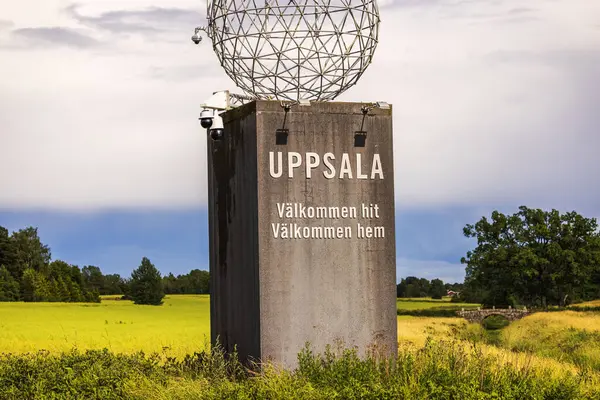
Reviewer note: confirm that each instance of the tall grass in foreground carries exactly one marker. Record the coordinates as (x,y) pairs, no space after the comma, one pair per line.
(439,370)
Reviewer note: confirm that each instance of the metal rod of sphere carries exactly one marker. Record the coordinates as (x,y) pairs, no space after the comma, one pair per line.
(294,49)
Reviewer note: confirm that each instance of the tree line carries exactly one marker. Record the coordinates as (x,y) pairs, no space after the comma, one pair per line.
(412,286)
(533,257)
(28,273)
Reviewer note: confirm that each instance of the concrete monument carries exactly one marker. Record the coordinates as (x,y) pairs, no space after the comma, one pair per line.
(301,188)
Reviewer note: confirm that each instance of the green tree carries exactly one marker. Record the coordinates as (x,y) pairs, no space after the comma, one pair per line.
(29,251)
(402,288)
(93,278)
(146,284)
(59,269)
(92,296)
(200,281)
(170,284)
(28,285)
(8,254)
(54,291)
(532,257)
(126,288)
(63,293)
(112,284)
(43,288)
(437,289)
(75,294)
(413,287)
(592,289)
(9,287)
(77,276)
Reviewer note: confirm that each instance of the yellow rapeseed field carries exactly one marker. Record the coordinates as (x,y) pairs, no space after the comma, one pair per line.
(180,326)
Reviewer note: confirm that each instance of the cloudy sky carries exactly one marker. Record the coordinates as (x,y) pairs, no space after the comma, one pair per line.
(496,104)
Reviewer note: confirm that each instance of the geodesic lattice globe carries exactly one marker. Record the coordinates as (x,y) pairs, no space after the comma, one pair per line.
(294,49)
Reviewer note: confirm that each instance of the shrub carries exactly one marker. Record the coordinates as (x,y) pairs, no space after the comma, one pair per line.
(95,374)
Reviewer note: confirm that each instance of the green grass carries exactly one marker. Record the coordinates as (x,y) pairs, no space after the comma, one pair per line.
(430,307)
(426,299)
(425,303)
(180,326)
(440,370)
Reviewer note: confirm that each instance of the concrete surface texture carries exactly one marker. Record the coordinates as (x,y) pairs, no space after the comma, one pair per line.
(302,230)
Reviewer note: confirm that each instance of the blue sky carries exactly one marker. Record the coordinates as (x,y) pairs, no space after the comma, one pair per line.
(116,241)
(495,106)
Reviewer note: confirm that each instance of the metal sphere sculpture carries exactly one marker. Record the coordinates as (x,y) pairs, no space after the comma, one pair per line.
(294,49)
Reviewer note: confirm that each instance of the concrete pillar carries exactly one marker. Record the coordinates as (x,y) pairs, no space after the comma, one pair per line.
(302,230)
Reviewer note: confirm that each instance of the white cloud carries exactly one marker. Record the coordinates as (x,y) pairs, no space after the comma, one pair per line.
(492,103)
(5,24)
(474,128)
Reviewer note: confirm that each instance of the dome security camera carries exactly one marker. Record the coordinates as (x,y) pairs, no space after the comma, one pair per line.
(216,134)
(196,38)
(217,131)
(206,118)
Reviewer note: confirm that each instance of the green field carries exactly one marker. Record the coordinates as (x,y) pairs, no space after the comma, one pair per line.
(427,303)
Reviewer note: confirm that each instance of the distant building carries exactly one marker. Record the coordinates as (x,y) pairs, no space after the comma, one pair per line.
(452,293)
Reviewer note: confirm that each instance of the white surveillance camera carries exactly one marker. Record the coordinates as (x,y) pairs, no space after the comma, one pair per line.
(206,118)
(196,38)
(217,131)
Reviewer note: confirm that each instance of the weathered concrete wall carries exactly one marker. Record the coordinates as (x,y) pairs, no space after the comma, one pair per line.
(233,235)
(309,289)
